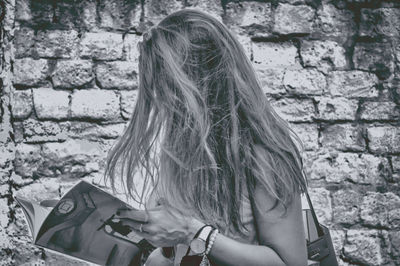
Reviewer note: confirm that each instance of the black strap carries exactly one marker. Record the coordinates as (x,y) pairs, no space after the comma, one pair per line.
(317,225)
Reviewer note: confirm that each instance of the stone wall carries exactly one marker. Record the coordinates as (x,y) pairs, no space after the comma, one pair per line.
(330,67)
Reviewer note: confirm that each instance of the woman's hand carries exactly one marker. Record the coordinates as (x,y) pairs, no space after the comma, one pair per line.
(159,226)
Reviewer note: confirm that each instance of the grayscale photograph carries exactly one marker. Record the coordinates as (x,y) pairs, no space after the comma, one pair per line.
(199,132)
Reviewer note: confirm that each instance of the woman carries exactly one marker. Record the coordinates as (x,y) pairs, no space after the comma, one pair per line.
(224,158)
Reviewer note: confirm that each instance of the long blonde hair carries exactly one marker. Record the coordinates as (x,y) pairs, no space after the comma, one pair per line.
(220,133)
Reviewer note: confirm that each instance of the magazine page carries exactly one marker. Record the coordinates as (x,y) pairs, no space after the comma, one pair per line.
(35,214)
(81,226)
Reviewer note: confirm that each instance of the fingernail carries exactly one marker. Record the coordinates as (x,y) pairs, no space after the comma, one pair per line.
(115,220)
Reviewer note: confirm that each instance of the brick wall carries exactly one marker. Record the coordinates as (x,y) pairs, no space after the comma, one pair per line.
(330,67)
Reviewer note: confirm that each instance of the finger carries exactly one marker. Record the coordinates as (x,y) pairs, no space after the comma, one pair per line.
(136,226)
(145,235)
(149,237)
(129,222)
(137,215)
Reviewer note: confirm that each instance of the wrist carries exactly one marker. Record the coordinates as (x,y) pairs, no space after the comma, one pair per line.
(193,227)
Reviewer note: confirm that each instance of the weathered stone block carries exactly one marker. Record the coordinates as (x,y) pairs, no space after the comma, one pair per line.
(30,72)
(381,209)
(396,50)
(57,43)
(396,168)
(391,86)
(346,206)
(343,137)
(7,152)
(21,104)
(24,41)
(353,167)
(5,244)
(39,131)
(101,45)
(325,55)
(50,103)
(4,210)
(271,80)
(5,190)
(27,159)
(18,131)
(380,111)
(353,84)
(95,104)
(380,21)
(338,237)
(154,11)
(337,24)
(39,12)
(18,180)
(293,19)
(376,57)
(42,189)
(70,14)
(294,109)
(89,14)
(363,246)
(128,102)
(16,244)
(384,139)
(93,131)
(304,81)
(253,18)
(308,134)
(338,108)
(270,55)
(74,158)
(119,14)
(22,10)
(131,50)
(212,7)
(117,75)
(72,73)
(321,200)
(394,237)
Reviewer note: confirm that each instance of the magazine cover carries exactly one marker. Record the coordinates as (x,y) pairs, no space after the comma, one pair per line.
(80,225)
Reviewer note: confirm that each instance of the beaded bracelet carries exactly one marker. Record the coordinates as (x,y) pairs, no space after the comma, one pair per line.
(213,235)
(212,239)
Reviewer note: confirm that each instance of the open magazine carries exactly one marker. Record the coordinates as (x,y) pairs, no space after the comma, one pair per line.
(80,225)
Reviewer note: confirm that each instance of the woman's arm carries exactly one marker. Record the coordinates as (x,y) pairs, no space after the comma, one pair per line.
(282,239)
(227,251)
